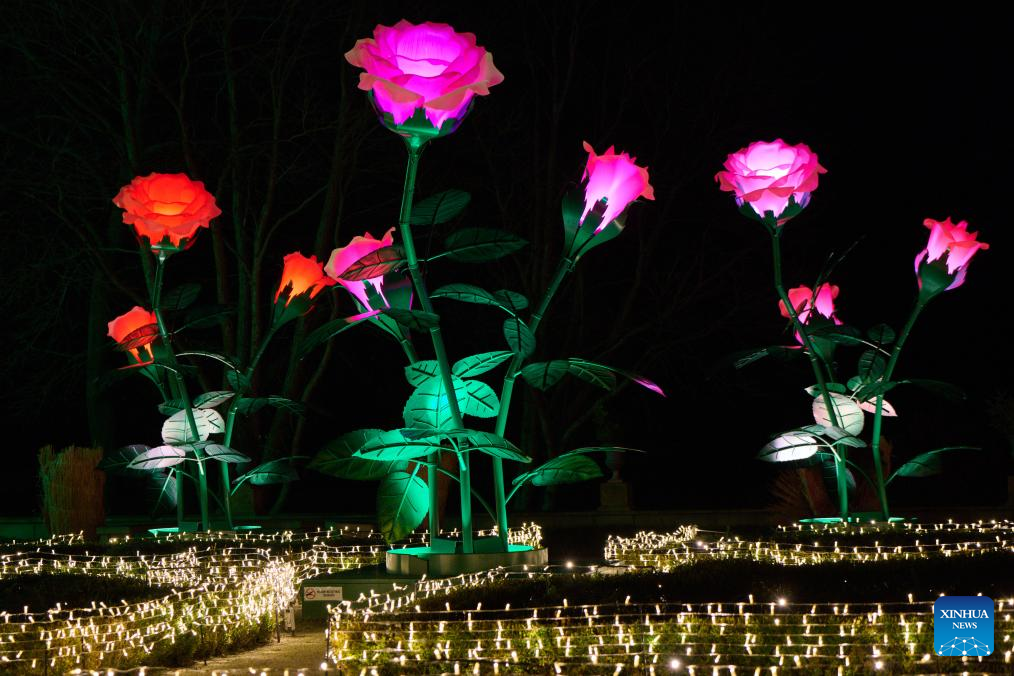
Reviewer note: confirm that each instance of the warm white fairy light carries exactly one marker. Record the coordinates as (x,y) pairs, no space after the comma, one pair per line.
(665,551)
(746,637)
(222,585)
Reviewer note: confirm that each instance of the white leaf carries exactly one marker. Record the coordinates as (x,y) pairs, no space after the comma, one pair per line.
(158,458)
(871,407)
(849,415)
(213,399)
(790,446)
(176,430)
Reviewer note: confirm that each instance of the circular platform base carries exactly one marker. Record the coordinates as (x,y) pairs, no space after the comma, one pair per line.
(419,561)
(858,518)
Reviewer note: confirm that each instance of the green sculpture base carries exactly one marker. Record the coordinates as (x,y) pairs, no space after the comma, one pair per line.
(441,562)
(857,518)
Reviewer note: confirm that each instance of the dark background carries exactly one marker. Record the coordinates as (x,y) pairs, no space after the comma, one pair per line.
(908,112)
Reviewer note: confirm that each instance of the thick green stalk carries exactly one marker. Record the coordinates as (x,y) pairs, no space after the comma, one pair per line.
(415,145)
(879,412)
(230,422)
(181,388)
(565,266)
(840,476)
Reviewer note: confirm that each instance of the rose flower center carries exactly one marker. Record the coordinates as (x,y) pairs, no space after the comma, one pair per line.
(426,53)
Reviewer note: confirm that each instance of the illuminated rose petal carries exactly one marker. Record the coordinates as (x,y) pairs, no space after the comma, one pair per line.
(428,66)
(166,209)
(766,175)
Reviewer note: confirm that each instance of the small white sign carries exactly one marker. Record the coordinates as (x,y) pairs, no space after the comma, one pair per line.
(322,594)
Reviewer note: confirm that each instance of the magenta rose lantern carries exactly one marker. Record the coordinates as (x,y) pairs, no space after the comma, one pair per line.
(422,78)
(941,266)
(611,182)
(772,181)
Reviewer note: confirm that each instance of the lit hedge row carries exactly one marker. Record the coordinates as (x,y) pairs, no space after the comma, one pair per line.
(227,591)
(392,634)
(805,544)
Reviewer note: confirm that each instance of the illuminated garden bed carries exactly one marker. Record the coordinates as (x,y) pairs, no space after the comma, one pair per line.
(208,594)
(695,602)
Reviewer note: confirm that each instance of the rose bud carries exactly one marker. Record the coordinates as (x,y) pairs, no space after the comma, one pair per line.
(371,293)
(611,183)
(166,210)
(805,302)
(775,178)
(423,77)
(134,331)
(941,266)
(302,279)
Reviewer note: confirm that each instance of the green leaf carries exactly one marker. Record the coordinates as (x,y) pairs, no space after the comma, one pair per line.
(327,331)
(429,407)
(939,388)
(928,463)
(784,352)
(838,333)
(471,245)
(469,293)
(854,383)
(480,363)
(396,445)
(543,375)
(238,381)
(596,374)
(338,458)
(814,390)
(491,444)
(511,299)
(568,468)
(119,460)
(882,334)
(177,430)
(421,371)
(417,320)
(205,316)
(402,503)
(180,298)
(224,454)
(481,401)
(250,405)
(171,406)
(439,208)
(871,365)
(375,264)
(213,399)
(518,336)
(158,458)
(278,471)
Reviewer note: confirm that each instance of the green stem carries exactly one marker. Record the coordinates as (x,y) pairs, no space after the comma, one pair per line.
(414,146)
(181,388)
(230,422)
(811,352)
(878,414)
(562,270)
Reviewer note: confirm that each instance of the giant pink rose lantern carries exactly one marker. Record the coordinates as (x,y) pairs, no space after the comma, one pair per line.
(614,178)
(768,175)
(950,248)
(805,301)
(429,66)
(343,257)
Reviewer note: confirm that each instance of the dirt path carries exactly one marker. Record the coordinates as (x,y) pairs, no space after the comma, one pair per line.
(302,653)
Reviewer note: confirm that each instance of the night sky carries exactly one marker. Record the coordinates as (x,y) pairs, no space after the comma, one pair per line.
(908,112)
